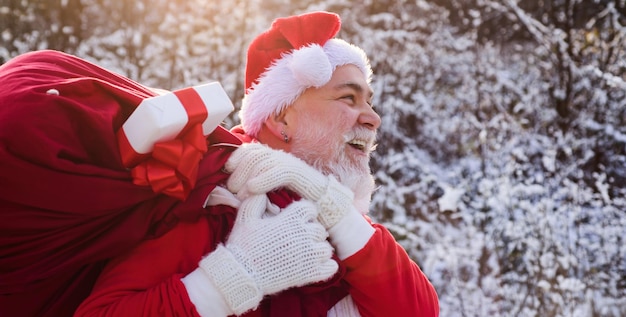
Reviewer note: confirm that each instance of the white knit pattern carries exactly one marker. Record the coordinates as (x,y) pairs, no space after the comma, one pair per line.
(336,201)
(294,231)
(267,253)
(238,288)
(256,168)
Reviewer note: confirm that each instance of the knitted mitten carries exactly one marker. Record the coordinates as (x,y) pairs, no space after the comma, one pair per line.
(256,169)
(267,253)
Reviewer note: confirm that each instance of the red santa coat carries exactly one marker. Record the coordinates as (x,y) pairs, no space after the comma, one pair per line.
(146,281)
(68,205)
(381,278)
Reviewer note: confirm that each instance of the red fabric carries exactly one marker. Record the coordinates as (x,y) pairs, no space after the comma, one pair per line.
(67,203)
(172,167)
(146,281)
(286,34)
(381,278)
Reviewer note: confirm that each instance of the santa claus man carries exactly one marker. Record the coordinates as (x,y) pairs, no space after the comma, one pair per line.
(308,94)
(276,226)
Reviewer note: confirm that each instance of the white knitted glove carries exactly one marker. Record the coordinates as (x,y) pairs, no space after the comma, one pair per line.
(257,169)
(267,253)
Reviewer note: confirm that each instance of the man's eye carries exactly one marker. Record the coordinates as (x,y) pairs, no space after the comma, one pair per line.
(349,97)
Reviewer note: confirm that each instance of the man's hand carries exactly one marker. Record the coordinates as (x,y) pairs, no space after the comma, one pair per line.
(258,169)
(267,253)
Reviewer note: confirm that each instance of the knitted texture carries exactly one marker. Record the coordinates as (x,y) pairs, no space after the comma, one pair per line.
(239,289)
(258,169)
(267,253)
(335,203)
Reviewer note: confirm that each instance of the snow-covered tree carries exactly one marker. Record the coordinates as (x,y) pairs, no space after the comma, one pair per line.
(502,151)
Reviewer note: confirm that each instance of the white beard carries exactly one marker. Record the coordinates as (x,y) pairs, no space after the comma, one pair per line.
(313,146)
(362,184)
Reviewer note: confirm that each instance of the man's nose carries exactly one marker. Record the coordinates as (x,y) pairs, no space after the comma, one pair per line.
(370,118)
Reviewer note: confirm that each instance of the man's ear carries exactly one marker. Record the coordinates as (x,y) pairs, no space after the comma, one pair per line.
(276,124)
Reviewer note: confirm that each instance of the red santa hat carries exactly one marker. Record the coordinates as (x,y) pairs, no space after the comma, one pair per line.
(296,53)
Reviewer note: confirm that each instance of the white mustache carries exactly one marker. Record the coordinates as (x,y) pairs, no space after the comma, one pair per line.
(364,135)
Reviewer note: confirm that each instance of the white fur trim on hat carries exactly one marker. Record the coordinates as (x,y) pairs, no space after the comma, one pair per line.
(288,77)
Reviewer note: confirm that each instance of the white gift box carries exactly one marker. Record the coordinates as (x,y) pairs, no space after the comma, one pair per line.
(162,118)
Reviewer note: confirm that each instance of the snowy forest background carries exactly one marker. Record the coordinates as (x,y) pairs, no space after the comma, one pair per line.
(502,154)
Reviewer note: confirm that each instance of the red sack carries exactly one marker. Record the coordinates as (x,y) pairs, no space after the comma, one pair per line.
(67,203)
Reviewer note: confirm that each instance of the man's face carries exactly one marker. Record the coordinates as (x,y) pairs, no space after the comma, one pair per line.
(334,128)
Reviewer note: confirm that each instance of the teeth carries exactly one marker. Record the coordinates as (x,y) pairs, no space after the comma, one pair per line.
(358,143)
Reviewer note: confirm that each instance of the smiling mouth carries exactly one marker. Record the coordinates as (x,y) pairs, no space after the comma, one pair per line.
(360,145)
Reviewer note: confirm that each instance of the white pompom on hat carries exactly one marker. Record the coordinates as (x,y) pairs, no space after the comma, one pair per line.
(296,53)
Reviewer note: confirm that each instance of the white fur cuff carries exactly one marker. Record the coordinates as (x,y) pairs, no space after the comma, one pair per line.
(350,234)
